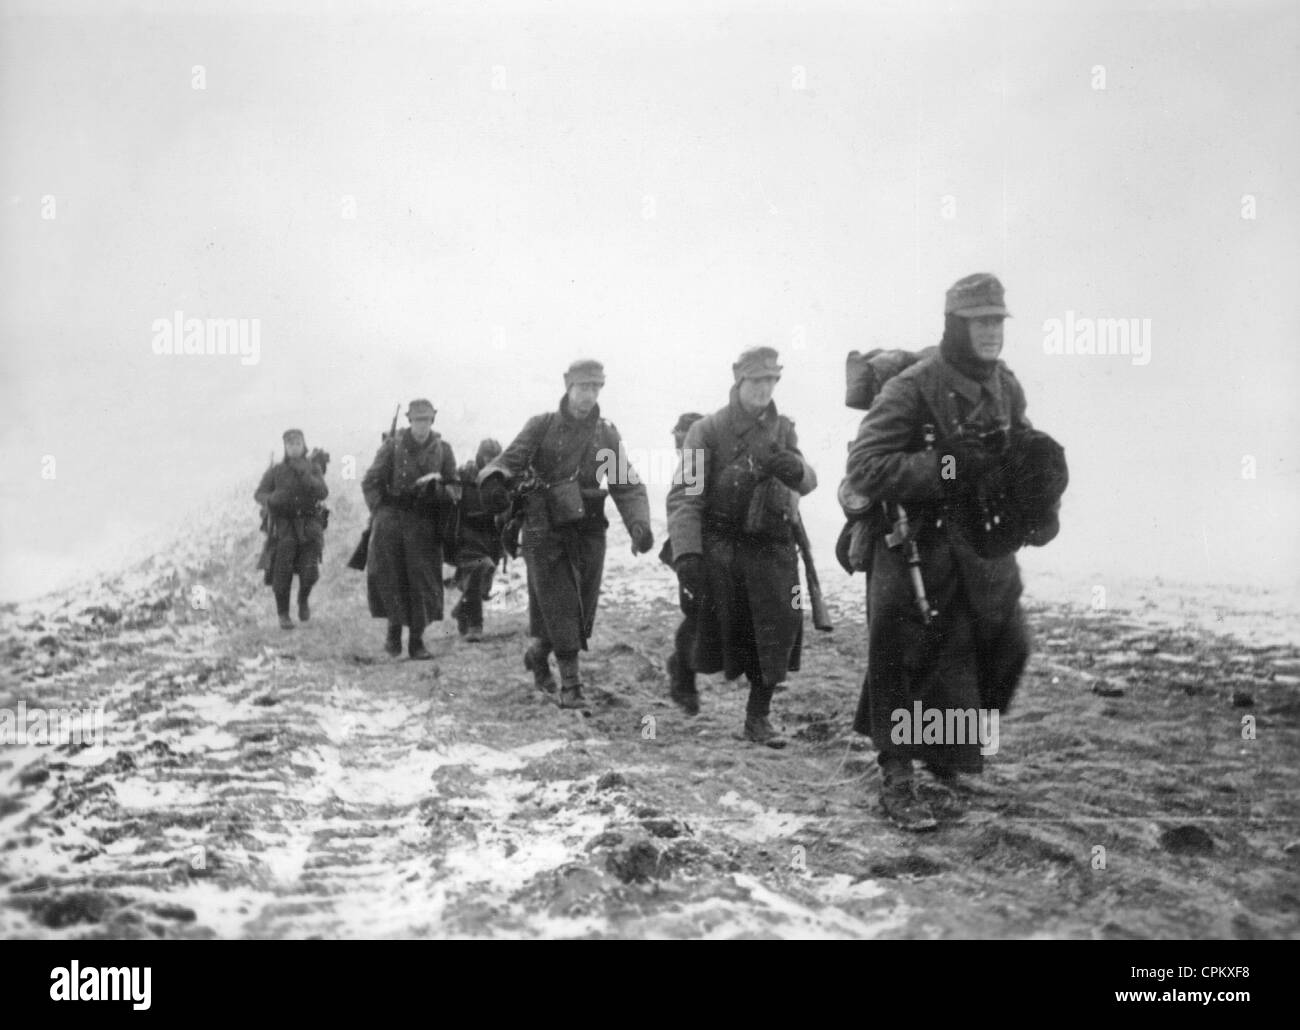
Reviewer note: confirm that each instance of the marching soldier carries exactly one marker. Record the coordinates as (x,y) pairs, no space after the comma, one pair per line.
(558,461)
(733,541)
(290,494)
(478,546)
(410,488)
(681,670)
(933,442)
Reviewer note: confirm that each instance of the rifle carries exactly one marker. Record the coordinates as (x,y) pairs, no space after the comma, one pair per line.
(821,616)
(902,536)
(358,559)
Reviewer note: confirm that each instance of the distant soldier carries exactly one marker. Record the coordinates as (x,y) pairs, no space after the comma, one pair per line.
(681,668)
(734,540)
(566,454)
(942,446)
(478,547)
(291,492)
(411,483)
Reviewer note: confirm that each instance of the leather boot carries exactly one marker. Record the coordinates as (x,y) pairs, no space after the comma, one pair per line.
(415,648)
(898,798)
(682,691)
(393,645)
(758,728)
(571,682)
(285,621)
(537,661)
(458,613)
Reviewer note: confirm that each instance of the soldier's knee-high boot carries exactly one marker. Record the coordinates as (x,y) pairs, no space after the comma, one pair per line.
(393,644)
(570,681)
(680,670)
(415,645)
(537,660)
(758,727)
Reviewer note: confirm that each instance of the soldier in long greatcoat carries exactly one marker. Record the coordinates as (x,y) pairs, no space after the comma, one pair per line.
(733,541)
(291,492)
(410,489)
(560,460)
(969,656)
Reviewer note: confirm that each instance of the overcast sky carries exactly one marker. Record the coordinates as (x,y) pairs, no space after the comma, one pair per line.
(457,202)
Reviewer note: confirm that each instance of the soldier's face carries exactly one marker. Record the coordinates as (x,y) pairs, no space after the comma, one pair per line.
(582,398)
(986,336)
(421,427)
(294,448)
(756,394)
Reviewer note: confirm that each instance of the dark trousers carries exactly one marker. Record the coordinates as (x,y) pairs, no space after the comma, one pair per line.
(475,578)
(292,556)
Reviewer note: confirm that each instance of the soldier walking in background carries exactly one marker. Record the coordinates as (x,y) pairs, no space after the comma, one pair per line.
(410,484)
(290,493)
(558,461)
(681,668)
(478,546)
(939,441)
(734,540)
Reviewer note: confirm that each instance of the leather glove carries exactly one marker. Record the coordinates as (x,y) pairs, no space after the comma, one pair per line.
(690,582)
(785,466)
(642,538)
(494,495)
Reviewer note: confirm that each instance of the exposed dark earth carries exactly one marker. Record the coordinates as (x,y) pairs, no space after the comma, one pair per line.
(257,783)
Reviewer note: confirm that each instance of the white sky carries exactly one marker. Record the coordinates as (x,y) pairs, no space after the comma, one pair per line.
(500,233)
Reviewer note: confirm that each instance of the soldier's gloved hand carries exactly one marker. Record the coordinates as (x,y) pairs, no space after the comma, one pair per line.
(493,493)
(690,582)
(642,538)
(785,466)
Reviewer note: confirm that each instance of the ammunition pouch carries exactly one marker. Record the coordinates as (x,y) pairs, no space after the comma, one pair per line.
(771,513)
(564,503)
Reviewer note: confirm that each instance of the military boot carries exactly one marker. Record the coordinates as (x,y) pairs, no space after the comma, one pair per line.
(945,793)
(537,661)
(285,621)
(571,695)
(474,634)
(458,613)
(393,644)
(304,609)
(415,648)
(682,691)
(898,798)
(758,727)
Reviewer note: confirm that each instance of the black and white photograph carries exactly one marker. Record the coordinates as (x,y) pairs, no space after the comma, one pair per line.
(727,469)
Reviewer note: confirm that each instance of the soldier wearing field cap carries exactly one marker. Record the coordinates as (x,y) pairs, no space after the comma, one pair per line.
(409,488)
(559,461)
(935,441)
(733,541)
(291,492)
